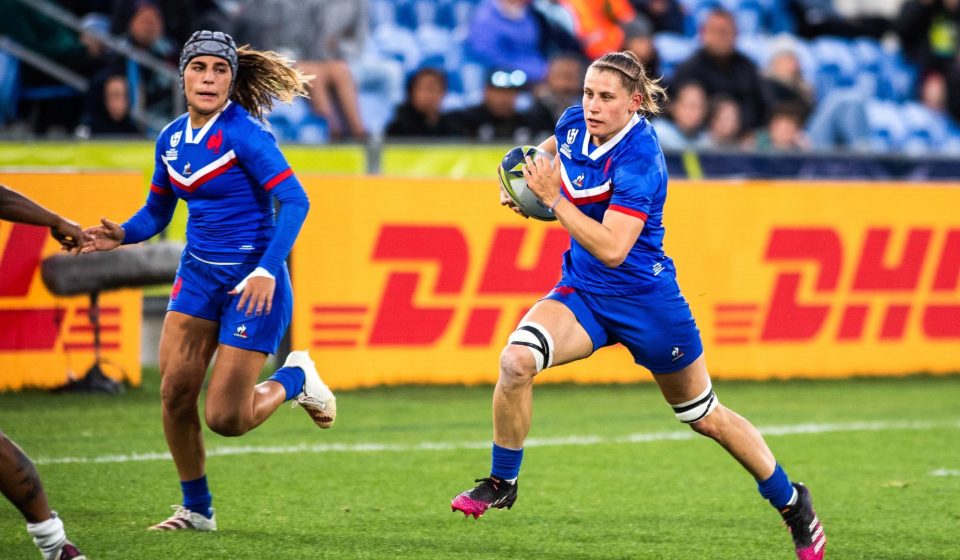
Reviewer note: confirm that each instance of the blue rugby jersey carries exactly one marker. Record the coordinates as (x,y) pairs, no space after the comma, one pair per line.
(228,173)
(626,174)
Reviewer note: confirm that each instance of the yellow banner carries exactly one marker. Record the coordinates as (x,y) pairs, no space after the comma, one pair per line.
(45,340)
(411,281)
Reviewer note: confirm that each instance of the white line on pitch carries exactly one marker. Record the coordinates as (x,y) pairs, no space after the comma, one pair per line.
(796,429)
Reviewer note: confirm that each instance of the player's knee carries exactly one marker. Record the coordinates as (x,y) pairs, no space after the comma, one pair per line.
(530,340)
(701,413)
(226,423)
(178,395)
(517,366)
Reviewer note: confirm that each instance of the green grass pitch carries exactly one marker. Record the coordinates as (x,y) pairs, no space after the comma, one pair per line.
(608,473)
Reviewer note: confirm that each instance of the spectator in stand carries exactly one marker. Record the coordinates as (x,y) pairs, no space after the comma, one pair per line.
(683,126)
(157,26)
(506,34)
(598,24)
(784,79)
(420,114)
(321,35)
(725,129)
(108,109)
(561,89)
(784,132)
(638,39)
(929,32)
(723,70)
(49,38)
(665,15)
(497,118)
(820,17)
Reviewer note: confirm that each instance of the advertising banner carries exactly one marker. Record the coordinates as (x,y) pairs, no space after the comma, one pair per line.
(47,340)
(422,280)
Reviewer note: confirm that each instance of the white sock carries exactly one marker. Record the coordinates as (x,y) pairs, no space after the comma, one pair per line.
(47,535)
(510,481)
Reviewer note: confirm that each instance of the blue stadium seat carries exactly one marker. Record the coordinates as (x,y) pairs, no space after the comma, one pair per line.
(837,67)
(887,129)
(673,49)
(437,43)
(750,16)
(382,11)
(397,43)
(406,15)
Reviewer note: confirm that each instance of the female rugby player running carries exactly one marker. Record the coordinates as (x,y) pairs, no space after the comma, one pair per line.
(607,184)
(232,291)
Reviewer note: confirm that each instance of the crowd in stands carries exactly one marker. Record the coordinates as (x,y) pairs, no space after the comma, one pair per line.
(763,75)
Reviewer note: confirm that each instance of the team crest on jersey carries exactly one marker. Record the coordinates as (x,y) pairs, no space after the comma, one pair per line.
(215,141)
(186,170)
(572,135)
(241,332)
(579,180)
(175,138)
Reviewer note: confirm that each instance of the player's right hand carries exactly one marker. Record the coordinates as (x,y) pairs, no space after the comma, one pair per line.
(104,237)
(505,200)
(69,234)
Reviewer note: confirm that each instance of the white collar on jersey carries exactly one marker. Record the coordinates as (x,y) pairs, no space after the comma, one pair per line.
(609,144)
(203,131)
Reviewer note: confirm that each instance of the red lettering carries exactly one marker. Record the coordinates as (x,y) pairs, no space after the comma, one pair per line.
(399,320)
(502,275)
(852,323)
(948,271)
(29,329)
(787,318)
(895,322)
(943,321)
(21,258)
(872,274)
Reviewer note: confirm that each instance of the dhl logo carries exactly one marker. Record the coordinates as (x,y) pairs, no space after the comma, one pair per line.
(26,325)
(398,319)
(881,286)
(878,289)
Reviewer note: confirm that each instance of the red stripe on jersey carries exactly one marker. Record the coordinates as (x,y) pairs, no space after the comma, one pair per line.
(201,181)
(278,179)
(160,190)
(587,199)
(628,211)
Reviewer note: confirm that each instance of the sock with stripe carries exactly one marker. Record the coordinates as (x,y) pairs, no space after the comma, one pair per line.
(506,463)
(292,379)
(196,496)
(777,489)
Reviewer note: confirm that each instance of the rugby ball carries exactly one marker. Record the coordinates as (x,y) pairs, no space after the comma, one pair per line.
(511,178)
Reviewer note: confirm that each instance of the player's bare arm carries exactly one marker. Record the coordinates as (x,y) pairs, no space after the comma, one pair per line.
(609,241)
(17,208)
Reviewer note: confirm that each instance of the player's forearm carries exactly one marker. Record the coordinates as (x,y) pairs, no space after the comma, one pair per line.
(15,207)
(599,240)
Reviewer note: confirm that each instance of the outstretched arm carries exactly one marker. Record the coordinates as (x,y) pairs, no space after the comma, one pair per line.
(17,208)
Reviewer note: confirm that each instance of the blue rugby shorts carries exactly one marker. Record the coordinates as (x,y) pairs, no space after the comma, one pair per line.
(657,326)
(200,290)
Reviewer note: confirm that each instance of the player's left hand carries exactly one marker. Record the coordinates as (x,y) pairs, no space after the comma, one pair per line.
(257,293)
(69,234)
(543,177)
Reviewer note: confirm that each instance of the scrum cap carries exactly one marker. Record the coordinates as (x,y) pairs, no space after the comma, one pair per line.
(209,43)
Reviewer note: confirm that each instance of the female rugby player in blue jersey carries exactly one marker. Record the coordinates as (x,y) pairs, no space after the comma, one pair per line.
(607,184)
(232,291)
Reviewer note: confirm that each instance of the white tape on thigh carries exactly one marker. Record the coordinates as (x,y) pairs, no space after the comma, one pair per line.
(537,339)
(698,408)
